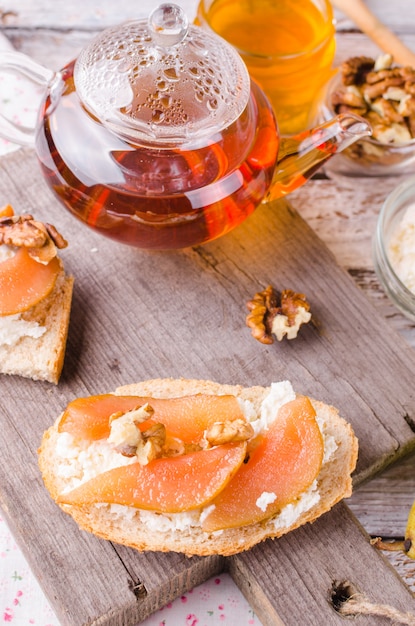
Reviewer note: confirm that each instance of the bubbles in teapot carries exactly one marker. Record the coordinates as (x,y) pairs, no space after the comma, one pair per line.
(171,92)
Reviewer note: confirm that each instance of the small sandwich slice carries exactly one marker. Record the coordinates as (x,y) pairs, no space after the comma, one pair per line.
(197,467)
(35,298)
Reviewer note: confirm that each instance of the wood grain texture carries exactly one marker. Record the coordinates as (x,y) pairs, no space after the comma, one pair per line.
(397,16)
(53,33)
(143,310)
(87,13)
(332,550)
(129,323)
(82,14)
(386,517)
(344,218)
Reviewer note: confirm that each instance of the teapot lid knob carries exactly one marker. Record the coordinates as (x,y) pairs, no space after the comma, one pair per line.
(161,81)
(168,24)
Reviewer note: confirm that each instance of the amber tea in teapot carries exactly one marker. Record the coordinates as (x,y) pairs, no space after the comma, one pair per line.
(156,197)
(156,136)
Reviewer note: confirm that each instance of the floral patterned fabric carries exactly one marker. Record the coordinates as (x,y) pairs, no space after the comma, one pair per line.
(218,602)
(19,101)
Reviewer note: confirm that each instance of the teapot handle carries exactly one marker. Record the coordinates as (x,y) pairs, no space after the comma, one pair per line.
(301,155)
(22,64)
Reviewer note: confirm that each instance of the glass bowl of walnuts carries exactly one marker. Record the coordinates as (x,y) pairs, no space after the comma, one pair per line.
(384,94)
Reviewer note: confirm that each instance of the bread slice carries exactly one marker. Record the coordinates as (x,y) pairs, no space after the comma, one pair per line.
(42,358)
(144,530)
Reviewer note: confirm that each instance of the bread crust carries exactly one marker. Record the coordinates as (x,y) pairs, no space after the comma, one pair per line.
(127,526)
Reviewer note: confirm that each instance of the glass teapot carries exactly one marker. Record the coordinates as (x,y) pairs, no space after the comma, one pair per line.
(156,136)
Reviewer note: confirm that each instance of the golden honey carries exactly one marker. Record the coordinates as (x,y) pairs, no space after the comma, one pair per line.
(287,45)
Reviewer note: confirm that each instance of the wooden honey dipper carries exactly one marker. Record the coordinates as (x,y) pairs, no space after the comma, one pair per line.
(378,32)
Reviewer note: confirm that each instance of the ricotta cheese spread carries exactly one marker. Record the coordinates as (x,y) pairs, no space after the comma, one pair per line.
(13,328)
(81,460)
(6,252)
(264,499)
(402,249)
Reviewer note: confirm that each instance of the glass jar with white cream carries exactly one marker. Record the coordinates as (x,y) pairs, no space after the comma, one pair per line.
(394,247)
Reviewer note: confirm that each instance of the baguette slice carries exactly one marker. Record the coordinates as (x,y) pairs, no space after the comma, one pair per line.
(34,354)
(145,530)
(42,358)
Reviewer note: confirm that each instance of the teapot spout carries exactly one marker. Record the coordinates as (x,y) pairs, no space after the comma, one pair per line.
(302,155)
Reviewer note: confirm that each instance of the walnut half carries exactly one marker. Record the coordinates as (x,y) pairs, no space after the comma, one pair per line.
(40,239)
(226,432)
(278,314)
(129,440)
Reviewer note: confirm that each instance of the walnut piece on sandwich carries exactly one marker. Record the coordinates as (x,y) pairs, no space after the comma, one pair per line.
(42,240)
(277,314)
(129,440)
(231,431)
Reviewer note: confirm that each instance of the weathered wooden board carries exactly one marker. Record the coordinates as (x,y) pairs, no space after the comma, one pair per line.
(345,219)
(308,564)
(54,33)
(387,517)
(139,315)
(88,13)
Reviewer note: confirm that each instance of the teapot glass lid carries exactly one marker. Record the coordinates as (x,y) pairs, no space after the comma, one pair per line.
(162,80)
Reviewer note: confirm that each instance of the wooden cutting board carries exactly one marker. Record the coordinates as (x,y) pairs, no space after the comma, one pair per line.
(139,315)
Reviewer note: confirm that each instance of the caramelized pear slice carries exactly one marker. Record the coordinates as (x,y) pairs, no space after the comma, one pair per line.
(282,466)
(24,282)
(185,418)
(165,485)
(6,211)
(88,418)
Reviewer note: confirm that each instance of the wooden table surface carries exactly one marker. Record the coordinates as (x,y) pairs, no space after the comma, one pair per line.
(344,218)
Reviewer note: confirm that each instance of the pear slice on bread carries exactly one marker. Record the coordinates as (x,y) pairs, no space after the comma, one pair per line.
(35,298)
(102,481)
